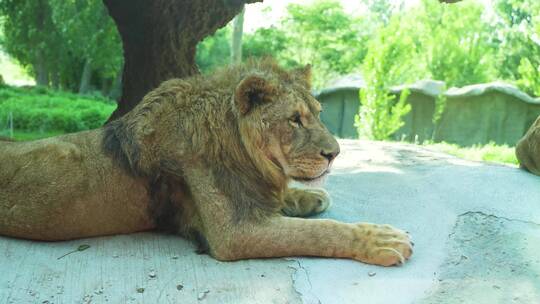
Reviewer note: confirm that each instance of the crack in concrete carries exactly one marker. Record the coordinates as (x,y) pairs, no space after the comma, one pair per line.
(489,216)
(488,259)
(295,279)
(499,217)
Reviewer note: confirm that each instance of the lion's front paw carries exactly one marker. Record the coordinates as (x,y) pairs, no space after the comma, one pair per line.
(381,244)
(305,202)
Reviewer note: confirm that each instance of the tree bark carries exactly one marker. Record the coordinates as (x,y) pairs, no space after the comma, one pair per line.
(159,38)
(55,80)
(86,77)
(116,88)
(236,41)
(42,74)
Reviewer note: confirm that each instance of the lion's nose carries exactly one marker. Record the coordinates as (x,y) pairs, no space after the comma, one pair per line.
(330,154)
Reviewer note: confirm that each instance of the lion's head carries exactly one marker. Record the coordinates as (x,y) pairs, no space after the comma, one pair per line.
(279,116)
(255,115)
(254,127)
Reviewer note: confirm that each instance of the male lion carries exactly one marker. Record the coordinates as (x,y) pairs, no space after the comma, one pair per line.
(208,158)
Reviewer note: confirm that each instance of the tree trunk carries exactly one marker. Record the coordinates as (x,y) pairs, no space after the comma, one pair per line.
(86,77)
(116,88)
(41,71)
(55,80)
(236,41)
(159,38)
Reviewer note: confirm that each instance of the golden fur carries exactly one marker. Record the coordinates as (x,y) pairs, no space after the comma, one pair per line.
(206,157)
(528,149)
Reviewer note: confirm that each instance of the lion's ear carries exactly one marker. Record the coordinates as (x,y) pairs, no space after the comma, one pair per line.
(303,75)
(253,90)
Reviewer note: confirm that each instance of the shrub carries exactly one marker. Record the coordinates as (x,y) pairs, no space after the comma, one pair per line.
(44,110)
(380,115)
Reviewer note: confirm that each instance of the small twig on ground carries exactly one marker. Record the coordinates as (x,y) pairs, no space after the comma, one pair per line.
(80,248)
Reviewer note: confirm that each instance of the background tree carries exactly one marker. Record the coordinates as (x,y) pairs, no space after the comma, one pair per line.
(214,51)
(265,42)
(517,31)
(324,35)
(69,45)
(30,36)
(91,37)
(456,44)
(236,41)
(380,115)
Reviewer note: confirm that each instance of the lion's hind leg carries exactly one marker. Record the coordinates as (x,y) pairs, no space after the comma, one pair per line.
(305,202)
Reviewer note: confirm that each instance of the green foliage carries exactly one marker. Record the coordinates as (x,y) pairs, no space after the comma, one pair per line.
(29,32)
(266,42)
(89,34)
(380,115)
(324,35)
(321,34)
(54,39)
(440,105)
(23,135)
(454,42)
(530,76)
(45,110)
(518,58)
(214,51)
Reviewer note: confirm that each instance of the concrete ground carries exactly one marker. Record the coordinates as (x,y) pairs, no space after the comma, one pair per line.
(476,227)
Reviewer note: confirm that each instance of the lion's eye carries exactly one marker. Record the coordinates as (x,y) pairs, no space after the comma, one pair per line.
(297,120)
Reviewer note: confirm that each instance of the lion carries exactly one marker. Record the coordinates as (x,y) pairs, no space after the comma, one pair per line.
(209,158)
(528,149)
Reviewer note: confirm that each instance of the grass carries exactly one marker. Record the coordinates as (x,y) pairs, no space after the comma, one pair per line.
(38,112)
(29,135)
(490,153)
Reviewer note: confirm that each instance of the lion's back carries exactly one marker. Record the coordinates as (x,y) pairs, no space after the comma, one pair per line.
(64,187)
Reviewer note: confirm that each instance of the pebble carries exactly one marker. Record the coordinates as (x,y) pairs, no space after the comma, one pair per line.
(179,286)
(152,274)
(140,290)
(371,274)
